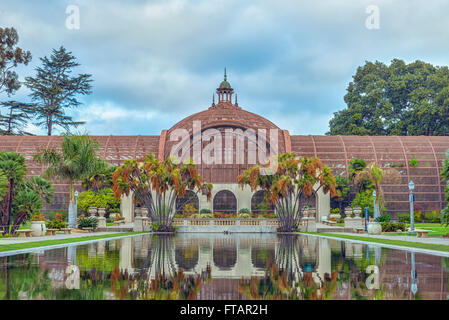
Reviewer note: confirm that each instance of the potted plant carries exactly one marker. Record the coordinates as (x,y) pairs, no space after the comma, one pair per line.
(38,225)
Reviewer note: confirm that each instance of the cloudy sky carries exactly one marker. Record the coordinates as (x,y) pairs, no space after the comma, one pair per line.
(155,62)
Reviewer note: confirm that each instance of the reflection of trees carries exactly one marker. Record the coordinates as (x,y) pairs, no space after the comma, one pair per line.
(158,278)
(225,253)
(286,279)
(21,278)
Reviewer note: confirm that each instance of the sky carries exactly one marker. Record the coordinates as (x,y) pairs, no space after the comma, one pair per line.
(156,62)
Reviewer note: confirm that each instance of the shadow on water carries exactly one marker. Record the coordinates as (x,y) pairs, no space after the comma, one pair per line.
(217,266)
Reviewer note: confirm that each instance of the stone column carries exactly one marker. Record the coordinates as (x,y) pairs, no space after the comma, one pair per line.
(101,218)
(126,207)
(138,222)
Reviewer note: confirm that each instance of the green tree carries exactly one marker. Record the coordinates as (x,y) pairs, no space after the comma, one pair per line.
(15,117)
(445,175)
(377,176)
(77,160)
(54,89)
(295,178)
(19,198)
(342,192)
(399,99)
(103,198)
(10,57)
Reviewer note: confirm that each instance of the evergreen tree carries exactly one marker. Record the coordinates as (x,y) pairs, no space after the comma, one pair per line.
(54,90)
(399,99)
(10,57)
(14,117)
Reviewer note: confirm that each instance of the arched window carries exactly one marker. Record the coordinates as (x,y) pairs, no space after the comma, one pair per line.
(225,201)
(189,198)
(309,201)
(259,204)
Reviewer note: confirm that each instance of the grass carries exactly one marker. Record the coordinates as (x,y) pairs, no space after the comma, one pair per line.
(419,245)
(43,243)
(437,230)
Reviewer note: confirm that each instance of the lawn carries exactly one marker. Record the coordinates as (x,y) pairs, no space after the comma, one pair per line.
(43,243)
(419,245)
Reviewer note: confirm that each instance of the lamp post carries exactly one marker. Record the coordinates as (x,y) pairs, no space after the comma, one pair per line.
(376,213)
(411,186)
(73,211)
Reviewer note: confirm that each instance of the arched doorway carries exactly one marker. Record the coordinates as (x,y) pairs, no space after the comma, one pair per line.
(190,198)
(259,204)
(225,201)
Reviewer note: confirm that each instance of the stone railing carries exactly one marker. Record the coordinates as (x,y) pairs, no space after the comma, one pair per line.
(220,225)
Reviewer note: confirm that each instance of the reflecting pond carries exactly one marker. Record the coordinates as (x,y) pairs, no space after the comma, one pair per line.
(222,267)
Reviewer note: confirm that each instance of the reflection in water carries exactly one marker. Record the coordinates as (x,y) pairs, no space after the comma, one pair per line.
(217,266)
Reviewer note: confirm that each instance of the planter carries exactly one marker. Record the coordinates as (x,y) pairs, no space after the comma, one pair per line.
(335,216)
(374,228)
(92,211)
(138,212)
(38,228)
(354,223)
(101,212)
(357,211)
(113,215)
(348,212)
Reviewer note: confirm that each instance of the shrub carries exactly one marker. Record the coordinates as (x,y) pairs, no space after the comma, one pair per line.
(221,215)
(404,217)
(335,210)
(90,222)
(56,224)
(418,216)
(188,210)
(413,162)
(104,198)
(392,226)
(383,218)
(244,210)
(205,211)
(244,215)
(38,217)
(432,216)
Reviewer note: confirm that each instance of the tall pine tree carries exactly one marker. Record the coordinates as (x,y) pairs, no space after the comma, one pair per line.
(14,117)
(54,90)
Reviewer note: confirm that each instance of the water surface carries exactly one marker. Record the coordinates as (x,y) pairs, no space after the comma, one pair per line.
(221,267)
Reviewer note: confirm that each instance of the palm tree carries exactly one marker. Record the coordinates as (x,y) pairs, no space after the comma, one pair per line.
(76,161)
(377,176)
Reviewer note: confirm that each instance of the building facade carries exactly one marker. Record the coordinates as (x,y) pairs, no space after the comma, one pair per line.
(243,135)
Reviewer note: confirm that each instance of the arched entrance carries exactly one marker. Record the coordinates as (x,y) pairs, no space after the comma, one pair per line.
(225,201)
(259,204)
(190,198)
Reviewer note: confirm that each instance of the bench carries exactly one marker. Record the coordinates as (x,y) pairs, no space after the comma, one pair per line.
(117,223)
(89,229)
(24,233)
(328,222)
(51,232)
(422,233)
(359,230)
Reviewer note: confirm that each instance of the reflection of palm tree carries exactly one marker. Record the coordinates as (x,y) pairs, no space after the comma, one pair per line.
(285,279)
(158,277)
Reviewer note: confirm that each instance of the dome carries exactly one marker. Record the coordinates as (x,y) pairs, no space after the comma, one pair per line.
(225,116)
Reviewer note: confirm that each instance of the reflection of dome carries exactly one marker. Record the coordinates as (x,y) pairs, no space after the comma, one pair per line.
(186,257)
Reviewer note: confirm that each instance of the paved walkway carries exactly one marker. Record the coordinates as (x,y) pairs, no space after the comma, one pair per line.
(55,237)
(443,241)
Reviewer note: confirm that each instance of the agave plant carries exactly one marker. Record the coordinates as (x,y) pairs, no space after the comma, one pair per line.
(296,178)
(157,184)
